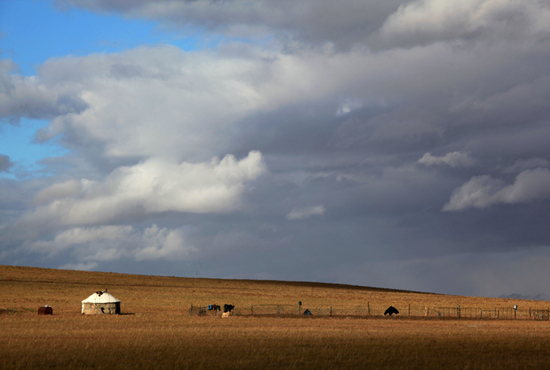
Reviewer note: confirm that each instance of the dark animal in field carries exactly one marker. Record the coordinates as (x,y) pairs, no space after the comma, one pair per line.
(307,312)
(228,307)
(391,310)
(213,307)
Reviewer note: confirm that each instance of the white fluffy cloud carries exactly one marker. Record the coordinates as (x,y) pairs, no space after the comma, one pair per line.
(152,186)
(305,212)
(110,243)
(162,101)
(454,159)
(153,101)
(437,20)
(484,191)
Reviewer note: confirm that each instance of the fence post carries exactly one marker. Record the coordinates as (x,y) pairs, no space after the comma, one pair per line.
(278,313)
(368,308)
(331,311)
(252,310)
(409,310)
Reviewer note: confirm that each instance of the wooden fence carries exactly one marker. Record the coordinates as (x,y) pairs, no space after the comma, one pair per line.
(368,310)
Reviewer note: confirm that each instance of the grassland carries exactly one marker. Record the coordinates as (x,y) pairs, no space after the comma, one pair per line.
(157,331)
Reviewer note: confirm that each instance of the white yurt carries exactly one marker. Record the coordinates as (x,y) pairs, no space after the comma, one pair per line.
(101,303)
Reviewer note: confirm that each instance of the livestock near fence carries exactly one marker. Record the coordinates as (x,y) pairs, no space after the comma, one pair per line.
(391,311)
(212,310)
(379,309)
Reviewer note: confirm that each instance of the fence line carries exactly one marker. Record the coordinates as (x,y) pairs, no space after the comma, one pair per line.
(377,310)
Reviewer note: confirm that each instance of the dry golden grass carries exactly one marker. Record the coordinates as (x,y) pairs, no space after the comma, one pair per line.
(156,330)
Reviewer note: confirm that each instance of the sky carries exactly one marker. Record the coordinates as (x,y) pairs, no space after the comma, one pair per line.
(394,144)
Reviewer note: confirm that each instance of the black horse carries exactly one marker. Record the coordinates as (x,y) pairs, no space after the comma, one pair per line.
(228,307)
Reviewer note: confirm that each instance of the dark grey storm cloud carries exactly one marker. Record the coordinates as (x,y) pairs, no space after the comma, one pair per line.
(409,137)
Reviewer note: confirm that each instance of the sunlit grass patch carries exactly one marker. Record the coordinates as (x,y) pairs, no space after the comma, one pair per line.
(155,329)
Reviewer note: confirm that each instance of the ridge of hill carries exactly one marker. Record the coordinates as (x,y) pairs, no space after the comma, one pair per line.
(29,274)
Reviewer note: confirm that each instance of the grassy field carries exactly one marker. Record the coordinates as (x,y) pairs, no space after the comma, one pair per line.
(155,329)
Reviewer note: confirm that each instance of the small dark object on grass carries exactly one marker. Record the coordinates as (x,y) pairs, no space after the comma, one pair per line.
(46,310)
(391,310)
(307,312)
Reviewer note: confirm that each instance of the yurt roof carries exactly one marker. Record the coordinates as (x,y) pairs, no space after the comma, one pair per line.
(100,297)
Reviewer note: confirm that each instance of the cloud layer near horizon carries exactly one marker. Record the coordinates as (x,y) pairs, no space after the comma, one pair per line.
(356,139)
